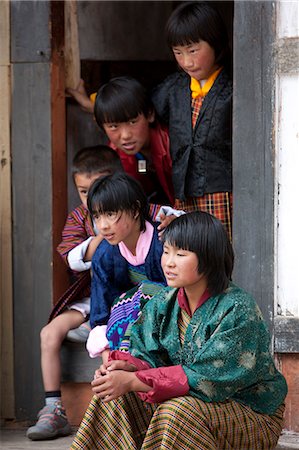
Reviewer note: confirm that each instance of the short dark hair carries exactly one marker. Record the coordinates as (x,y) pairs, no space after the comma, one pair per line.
(192,22)
(118,192)
(120,100)
(205,235)
(99,158)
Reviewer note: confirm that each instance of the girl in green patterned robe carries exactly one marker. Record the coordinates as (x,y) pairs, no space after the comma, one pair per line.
(199,374)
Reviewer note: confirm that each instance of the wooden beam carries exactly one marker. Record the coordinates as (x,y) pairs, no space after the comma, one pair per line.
(58,140)
(32,187)
(71,47)
(6,293)
(253,155)
(4,34)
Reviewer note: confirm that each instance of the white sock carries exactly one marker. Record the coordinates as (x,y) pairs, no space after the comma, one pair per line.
(50,401)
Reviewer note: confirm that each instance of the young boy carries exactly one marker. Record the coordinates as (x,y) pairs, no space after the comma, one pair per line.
(123,109)
(79,242)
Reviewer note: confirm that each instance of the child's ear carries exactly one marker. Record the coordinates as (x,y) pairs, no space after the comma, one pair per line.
(151,117)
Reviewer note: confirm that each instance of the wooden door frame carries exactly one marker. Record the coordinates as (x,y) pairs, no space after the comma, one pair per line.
(39,185)
(253,151)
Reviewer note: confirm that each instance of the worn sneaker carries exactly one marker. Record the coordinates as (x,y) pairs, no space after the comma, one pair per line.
(52,423)
(79,334)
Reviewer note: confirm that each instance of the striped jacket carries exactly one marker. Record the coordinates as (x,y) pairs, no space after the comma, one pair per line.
(78,227)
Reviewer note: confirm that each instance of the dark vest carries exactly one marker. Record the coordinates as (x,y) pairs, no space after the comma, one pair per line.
(202,157)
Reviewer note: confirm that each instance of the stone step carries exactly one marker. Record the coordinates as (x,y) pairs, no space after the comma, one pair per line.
(288,441)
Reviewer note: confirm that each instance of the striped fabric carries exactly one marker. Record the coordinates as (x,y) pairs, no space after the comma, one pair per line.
(196,104)
(154,209)
(219,204)
(78,227)
(178,423)
(183,322)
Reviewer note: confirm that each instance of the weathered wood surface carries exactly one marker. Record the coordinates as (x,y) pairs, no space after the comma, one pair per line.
(82,131)
(58,144)
(6,293)
(71,48)
(32,229)
(253,174)
(124,30)
(29,29)
(286,334)
(4,33)
(76,364)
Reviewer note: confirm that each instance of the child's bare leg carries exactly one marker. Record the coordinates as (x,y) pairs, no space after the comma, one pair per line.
(52,420)
(52,336)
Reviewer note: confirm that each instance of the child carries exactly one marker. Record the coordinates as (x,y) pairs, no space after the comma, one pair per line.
(124,111)
(77,247)
(129,255)
(196,104)
(199,374)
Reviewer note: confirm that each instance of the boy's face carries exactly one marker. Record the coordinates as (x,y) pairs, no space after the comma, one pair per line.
(196,59)
(130,137)
(83,181)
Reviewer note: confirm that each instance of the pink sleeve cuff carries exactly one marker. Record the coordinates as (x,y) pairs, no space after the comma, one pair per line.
(125,356)
(97,341)
(166,383)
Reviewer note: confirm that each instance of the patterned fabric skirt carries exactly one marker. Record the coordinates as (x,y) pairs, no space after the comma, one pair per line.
(124,312)
(180,423)
(218,204)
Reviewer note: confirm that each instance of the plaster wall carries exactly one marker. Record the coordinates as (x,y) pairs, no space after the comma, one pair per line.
(287,158)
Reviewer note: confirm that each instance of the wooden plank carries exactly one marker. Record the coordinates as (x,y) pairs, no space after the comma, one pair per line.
(123,30)
(32,230)
(71,49)
(253,156)
(4,34)
(82,131)
(76,365)
(286,334)
(6,294)
(30,40)
(58,144)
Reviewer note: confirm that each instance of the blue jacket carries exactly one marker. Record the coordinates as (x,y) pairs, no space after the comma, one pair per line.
(110,276)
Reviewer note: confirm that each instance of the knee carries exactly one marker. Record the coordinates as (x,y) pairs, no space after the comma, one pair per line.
(184,408)
(173,404)
(49,338)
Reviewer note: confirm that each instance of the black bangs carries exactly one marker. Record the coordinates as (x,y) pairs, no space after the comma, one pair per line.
(183,33)
(175,235)
(121,100)
(192,22)
(204,235)
(187,233)
(118,192)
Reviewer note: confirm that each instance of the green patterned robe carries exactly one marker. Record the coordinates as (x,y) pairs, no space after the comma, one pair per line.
(225,353)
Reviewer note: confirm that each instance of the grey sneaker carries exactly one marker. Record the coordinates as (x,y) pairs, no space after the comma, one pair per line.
(52,423)
(79,334)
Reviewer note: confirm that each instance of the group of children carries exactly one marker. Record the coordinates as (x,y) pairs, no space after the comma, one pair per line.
(183,366)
